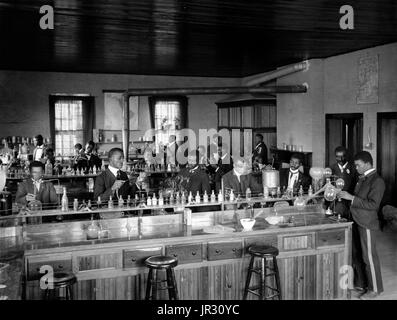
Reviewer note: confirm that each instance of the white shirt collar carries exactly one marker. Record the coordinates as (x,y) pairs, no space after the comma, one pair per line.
(369,171)
(258,144)
(224,156)
(171,144)
(344,166)
(294,171)
(113,170)
(237,174)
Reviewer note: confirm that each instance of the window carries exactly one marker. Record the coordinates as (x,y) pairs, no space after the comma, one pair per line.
(168,115)
(71,122)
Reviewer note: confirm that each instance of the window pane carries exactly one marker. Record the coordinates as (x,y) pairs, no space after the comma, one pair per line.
(68,125)
(167,119)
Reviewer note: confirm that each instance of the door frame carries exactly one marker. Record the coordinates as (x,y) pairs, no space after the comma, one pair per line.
(379,117)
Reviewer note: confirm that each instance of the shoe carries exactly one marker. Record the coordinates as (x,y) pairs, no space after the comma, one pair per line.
(369,295)
(359,289)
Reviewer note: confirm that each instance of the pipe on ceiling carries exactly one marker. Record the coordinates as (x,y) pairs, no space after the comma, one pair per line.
(267,76)
(215,90)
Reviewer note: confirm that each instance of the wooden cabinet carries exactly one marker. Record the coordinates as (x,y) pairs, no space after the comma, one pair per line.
(136,258)
(33,272)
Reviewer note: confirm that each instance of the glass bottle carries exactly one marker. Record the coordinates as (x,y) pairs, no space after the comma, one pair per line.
(99,203)
(110,203)
(220,196)
(161,200)
(121,202)
(75,204)
(154,200)
(205,197)
(197,197)
(65,201)
(92,230)
(248,194)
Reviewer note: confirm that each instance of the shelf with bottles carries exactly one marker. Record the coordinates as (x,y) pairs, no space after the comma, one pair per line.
(139,204)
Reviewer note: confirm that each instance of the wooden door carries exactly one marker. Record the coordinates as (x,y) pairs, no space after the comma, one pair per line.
(343,130)
(387,154)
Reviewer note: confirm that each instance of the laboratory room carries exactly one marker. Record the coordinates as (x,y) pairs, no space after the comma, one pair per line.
(178,150)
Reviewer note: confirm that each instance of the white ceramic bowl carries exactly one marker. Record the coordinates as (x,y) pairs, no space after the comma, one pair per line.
(247,223)
(274,219)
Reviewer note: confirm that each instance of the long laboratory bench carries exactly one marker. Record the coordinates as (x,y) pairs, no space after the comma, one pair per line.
(212,253)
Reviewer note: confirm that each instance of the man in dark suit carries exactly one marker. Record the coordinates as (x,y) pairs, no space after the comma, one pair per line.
(35,188)
(113,183)
(224,164)
(240,179)
(193,178)
(293,178)
(171,151)
(345,170)
(259,156)
(365,203)
(92,158)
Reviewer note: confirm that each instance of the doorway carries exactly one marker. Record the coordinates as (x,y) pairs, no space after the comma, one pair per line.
(387,154)
(346,130)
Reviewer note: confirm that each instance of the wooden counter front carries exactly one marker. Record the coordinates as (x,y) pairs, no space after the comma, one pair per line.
(211,266)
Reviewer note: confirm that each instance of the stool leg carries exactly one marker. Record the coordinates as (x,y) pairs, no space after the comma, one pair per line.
(176,295)
(67,297)
(149,284)
(277,274)
(263,279)
(249,275)
(71,292)
(154,284)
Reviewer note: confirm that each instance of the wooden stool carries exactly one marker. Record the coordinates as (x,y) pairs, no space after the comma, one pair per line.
(266,254)
(61,280)
(156,263)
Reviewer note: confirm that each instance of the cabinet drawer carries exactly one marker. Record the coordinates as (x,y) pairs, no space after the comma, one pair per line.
(136,258)
(297,242)
(57,265)
(330,238)
(260,241)
(185,253)
(224,250)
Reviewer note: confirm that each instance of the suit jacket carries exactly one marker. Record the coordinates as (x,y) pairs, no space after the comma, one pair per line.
(368,195)
(94,161)
(260,153)
(303,180)
(195,180)
(230,181)
(46,195)
(349,175)
(103,186)
(219,171)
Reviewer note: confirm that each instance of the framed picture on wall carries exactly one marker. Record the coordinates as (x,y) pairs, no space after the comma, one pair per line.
(113,112)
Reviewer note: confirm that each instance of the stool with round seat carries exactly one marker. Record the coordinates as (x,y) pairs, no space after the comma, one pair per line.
(155,264)
(267,255)
(60,280)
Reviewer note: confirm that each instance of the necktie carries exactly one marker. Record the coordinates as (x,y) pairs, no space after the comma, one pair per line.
(118,175)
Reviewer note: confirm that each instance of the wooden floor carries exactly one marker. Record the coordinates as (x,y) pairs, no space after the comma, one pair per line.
(387,251)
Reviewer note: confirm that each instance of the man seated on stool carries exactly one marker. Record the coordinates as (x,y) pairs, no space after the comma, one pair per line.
(35,188)
(292,177)
(240,179)
(113,183)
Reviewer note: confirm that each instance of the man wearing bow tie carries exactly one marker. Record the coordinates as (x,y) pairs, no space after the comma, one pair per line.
(345,170)
(293,178)
(113,182)
(259,155)
(365,203)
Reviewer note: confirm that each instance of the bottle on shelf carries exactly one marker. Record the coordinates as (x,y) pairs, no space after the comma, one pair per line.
(310,191)
(136,201)
(161,200)
(92,230)
(110,203)
(172,200)
(99,203)
(183,198)
(128,204)
(149,201)
(278,192)
(75,204)
(178,198)
(190,197)
(154,200)
(48,168)
(220,196)
(213,196)
(89,206)
(300,191)
(121,202)
(65,201)
(231,197)
(205,196)
(198,199)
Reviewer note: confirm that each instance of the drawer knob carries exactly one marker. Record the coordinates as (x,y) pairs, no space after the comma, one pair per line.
(194,253)
(217,251)
(133,259)
(234,249)
(60,266)
(175,255)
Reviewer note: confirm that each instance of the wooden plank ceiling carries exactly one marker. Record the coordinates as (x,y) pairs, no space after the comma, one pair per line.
(181,37)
